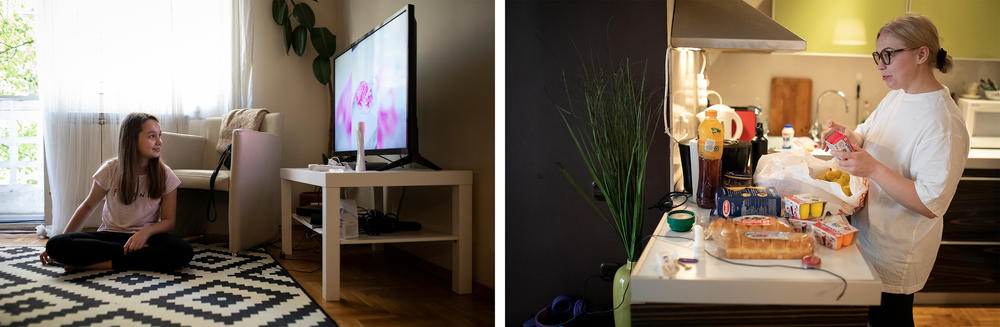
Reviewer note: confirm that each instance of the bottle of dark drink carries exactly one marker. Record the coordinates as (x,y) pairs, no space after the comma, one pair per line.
(709,159)
(758,147)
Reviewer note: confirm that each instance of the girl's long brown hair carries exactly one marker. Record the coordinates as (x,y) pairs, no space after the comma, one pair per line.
(128,160)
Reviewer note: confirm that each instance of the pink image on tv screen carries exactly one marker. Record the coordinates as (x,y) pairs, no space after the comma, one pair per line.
(371,87)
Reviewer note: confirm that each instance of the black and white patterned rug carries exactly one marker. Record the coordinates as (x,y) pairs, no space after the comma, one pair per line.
(216,289)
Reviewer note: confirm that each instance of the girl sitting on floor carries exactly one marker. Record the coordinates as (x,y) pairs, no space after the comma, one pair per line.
(140,209)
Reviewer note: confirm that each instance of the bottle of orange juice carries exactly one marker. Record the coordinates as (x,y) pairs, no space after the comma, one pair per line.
(709,159)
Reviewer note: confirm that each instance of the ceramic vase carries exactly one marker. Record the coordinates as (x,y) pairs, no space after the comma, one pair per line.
(621,295)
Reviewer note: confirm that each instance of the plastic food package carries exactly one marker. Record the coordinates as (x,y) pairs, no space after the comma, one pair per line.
(803,206)
(743,201)
(834,232)
(795,172)
(758,237)
(800,225)
(839,142)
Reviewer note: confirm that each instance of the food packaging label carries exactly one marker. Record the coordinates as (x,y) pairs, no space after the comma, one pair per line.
(753,220)
(839,142)
(834,232)
(743,201)
(767,235)
(800,225)
(803,206)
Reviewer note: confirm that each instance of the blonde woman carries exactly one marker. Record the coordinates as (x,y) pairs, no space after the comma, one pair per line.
(913,148)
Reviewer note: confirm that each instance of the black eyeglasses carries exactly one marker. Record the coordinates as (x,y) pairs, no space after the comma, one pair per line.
(886,55)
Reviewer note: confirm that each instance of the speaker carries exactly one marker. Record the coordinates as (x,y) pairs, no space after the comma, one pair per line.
(564,311)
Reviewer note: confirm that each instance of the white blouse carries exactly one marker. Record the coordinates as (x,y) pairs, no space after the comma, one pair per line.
(923,138)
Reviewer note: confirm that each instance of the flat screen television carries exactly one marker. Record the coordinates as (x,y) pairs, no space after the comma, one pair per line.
(375,83)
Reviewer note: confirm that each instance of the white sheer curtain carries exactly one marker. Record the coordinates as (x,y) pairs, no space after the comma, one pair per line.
(176,59)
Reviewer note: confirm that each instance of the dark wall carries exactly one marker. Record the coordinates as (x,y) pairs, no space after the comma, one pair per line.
(554,241)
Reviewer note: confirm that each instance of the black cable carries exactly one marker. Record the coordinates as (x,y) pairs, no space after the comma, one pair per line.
(844,289)
(665,206)
(627,283)
(399,206)
(842,279)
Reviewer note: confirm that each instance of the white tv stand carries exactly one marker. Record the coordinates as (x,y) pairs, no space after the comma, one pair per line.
(461,220)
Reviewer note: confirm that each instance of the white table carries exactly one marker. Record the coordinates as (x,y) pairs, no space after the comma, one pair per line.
(461,211)
(714,281)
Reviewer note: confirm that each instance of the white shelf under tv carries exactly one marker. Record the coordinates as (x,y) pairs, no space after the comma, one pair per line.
(394,237)
(459,236)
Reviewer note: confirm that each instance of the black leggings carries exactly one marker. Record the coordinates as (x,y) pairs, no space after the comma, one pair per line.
(896,310)
(163,252)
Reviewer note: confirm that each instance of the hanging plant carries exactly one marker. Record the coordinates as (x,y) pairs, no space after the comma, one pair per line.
(303,31)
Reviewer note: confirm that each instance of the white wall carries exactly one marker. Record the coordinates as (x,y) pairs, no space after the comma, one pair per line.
(285,83)
(454,101)
(745,79)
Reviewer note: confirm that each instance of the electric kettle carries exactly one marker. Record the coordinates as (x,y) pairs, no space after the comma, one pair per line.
(732,124)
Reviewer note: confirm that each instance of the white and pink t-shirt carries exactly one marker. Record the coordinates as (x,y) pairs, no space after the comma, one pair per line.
(118,217)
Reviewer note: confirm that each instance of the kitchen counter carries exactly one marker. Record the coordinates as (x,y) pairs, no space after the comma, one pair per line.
(978,158)
(714,281)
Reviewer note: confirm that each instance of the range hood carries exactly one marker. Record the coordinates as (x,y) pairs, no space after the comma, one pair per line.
(728,25)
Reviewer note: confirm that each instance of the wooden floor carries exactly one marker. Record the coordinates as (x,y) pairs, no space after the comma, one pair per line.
(377,289)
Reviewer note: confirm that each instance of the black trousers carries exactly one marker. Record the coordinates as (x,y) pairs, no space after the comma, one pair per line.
(896,310)
(164,252)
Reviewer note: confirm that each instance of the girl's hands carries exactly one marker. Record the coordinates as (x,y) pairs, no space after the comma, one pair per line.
(859,163)
(137,241)
(45,258)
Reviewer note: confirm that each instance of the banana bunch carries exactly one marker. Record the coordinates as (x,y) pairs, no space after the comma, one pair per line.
(839,177)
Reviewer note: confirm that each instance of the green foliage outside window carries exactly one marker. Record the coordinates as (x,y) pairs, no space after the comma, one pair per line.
(27,128)
(4,176)
(17,49)
(4,152)
(4,132)
(27,152)
(26,175)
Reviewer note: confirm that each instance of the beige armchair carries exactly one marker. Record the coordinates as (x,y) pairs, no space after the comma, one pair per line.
(247,195)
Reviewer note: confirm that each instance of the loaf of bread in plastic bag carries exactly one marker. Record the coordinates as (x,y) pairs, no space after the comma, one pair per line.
(759,237)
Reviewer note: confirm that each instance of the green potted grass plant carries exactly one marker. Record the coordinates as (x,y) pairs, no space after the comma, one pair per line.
(612,129)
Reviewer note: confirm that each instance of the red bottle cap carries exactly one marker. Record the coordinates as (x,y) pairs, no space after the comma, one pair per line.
(811,262)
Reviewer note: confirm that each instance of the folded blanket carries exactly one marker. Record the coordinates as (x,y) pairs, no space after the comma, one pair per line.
(235,119)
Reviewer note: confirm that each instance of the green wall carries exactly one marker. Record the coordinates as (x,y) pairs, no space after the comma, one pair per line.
(968,28)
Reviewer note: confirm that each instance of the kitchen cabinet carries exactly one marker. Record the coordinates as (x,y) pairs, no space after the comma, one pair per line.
(967,28)
(969,258)
(840,27)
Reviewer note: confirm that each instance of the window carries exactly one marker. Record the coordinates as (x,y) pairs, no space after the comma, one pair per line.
(21,192)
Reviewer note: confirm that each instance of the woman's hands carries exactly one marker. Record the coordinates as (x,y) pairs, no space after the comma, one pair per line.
(831,126)
(858,163)
(137,241)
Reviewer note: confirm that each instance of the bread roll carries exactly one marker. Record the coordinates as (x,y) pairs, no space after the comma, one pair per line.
(715,229)
(766,243)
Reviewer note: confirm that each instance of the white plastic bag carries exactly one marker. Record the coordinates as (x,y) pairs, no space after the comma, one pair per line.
(795,171)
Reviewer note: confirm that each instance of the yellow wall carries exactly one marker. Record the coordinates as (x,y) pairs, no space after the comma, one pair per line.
(968,28)
(815,21)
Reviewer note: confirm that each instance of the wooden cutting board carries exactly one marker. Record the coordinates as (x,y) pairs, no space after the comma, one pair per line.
(791,103)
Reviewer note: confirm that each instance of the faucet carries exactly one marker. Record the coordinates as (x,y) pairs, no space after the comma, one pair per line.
(815,130)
